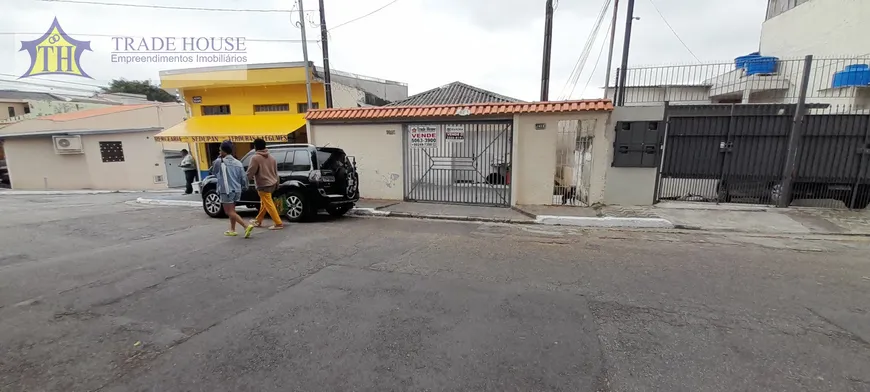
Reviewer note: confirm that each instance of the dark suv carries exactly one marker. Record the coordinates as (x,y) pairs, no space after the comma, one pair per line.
(311,179)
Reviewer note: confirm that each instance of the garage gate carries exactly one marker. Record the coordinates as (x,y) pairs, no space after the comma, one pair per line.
(459,163)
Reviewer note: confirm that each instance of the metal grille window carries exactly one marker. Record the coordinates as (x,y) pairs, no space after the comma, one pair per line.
(303,107)
(215,110)
(112,152)
(281,107)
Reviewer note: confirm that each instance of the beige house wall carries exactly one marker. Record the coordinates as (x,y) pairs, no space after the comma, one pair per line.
(533,169)
(17,106)
(379,155)
(34,165)
(379,151)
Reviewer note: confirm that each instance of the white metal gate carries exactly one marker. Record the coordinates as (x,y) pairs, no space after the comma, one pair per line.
(461,163)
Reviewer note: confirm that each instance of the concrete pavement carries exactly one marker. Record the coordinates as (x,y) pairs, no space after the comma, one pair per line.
(99,294)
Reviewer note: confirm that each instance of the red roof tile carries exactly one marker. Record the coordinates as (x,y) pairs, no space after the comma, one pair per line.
(476,109)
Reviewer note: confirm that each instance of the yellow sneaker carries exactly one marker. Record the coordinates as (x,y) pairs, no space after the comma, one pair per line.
(248,231)
(230,233)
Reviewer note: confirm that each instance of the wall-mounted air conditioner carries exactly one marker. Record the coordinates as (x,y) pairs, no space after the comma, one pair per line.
(67,144)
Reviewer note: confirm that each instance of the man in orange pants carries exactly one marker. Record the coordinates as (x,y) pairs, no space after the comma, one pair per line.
(264,170)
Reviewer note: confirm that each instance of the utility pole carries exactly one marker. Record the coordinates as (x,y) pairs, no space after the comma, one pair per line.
(327,77)
(626,45)
(305,54)
(612,44)
(548,45)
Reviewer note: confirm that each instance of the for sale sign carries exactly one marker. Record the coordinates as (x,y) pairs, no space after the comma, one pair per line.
(423,136)
(454,133)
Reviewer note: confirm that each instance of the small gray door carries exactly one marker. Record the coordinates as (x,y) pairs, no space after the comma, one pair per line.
(174,174)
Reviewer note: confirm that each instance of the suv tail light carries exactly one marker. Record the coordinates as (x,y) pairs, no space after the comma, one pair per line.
(315,176)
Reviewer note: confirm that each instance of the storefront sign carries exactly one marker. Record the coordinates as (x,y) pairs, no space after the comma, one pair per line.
(423,136)
(454,133)
(218,139)
(197,99)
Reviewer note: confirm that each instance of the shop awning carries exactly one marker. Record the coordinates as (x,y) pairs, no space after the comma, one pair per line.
(215,129)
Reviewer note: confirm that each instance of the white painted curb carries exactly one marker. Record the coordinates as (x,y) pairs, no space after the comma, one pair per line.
(607,221)
(165,202)
(362,211)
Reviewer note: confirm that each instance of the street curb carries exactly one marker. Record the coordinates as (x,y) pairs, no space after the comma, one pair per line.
(172,203)
(601,222)
(605,222)
(81,192)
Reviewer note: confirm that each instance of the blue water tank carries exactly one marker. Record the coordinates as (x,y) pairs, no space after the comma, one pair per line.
(740,62)
(852,75)
(761,65)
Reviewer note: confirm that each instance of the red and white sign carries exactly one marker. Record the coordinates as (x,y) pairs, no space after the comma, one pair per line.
(423,136)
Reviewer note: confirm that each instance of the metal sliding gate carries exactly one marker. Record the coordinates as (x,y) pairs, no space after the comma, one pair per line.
(459,163)
(737,154)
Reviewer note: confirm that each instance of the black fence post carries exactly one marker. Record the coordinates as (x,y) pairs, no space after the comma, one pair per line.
(794,137)
(864,153)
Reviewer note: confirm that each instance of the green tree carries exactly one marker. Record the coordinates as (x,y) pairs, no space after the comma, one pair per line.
(143,87)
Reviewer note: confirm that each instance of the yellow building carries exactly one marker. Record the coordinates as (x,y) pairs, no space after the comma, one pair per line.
(244,102)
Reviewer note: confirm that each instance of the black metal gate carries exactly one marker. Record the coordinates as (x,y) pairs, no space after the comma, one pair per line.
(461,163)
(737,153)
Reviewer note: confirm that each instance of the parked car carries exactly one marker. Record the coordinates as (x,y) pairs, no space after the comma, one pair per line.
(311,179)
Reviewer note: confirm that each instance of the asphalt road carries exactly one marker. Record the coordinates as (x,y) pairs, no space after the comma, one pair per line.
(100,295)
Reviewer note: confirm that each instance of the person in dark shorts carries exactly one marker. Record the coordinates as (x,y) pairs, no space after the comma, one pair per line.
(231,179)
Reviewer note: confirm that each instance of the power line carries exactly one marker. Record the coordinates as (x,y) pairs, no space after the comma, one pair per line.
(168,7)
(48,86)
(598,60)
(134,36)
(57,81)
(674,31)
(363,16)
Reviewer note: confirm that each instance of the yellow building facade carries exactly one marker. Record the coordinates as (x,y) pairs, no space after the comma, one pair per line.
(268,101)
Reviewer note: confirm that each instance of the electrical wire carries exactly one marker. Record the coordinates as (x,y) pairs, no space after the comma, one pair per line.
(168,7)
(574,77)
(674,31)
(135,36)
(57,81)
(363,16)
(48,86)
(597,61)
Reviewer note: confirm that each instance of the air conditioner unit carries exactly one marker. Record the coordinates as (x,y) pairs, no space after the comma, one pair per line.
(67,144)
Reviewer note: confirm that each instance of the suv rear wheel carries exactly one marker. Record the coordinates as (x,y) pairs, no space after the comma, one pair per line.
(297,206)
(211,203)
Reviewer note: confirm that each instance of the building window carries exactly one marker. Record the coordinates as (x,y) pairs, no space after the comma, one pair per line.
(111,152)
(281,107)
(215,110)
(303,107)
(27,109)
(11,111)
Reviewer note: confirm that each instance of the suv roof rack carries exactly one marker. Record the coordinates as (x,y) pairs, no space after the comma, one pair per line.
(286,145)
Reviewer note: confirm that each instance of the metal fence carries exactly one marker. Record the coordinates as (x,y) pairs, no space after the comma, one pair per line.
(573,178)
(799,131)
(458,163)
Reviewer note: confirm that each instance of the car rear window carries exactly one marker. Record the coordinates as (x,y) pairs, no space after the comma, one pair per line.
(329,156)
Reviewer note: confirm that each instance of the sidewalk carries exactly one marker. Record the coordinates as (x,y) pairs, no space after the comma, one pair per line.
(669,215)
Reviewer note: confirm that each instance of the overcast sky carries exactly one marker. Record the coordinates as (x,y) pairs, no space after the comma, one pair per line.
(492,44)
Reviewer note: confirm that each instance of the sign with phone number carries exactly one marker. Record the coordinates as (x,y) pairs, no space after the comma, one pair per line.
(423,136)
(218,139)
